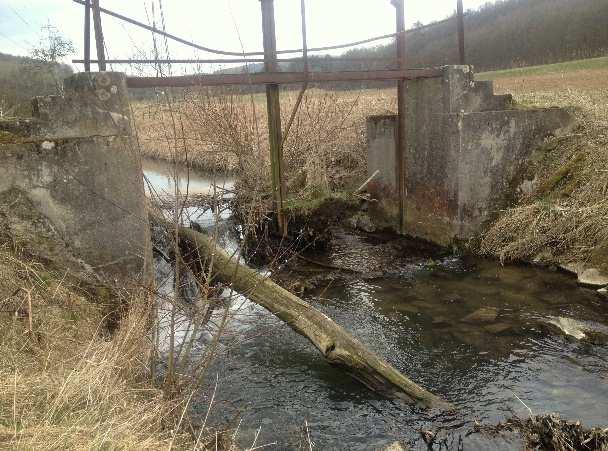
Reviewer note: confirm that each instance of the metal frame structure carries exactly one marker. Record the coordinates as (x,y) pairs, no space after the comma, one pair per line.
(272,78)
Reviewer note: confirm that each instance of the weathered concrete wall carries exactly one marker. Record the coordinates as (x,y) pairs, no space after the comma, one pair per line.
(75,160)
(466,156)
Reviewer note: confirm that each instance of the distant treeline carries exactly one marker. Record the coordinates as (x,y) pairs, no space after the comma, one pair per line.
(502,35)
(506,34)
(23,78)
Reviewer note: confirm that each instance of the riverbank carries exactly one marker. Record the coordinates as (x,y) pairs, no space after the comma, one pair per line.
(563,220)
(74,368)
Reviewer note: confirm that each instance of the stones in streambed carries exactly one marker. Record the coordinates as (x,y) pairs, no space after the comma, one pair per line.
(589,277)
(499,328)
(577,330)
(569,326)
(441,321)
(592,277)
(396,447)
(407,308)
(603,292)
(453,299)
(361,221)
(481,315)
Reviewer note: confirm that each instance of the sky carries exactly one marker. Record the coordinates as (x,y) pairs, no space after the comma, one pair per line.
(233,25)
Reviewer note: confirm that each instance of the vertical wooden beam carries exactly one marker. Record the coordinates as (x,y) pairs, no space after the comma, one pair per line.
(101,57)
(460,16)
(87,36)
(273,106)
(401,141)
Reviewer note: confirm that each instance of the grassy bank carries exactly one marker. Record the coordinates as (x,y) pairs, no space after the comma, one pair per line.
(72,375)
(565,67)
(565,219)
(65,383)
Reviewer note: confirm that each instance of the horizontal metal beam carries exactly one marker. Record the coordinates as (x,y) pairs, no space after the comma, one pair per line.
(279,78)
(230,53)
(332,59)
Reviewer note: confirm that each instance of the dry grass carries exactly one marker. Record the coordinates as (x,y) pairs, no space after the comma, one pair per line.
(550,432)
(64,383)
(324,151)
(226,130)
(565,219)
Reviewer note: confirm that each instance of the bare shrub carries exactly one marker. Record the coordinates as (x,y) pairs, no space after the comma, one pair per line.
(324,151)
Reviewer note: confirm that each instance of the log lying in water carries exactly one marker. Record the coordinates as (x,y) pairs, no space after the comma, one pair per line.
(335,343)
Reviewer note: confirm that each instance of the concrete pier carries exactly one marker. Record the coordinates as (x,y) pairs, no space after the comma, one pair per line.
(466,157)
(75,160)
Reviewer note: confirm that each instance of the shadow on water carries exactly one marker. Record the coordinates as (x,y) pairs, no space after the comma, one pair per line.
(494,340)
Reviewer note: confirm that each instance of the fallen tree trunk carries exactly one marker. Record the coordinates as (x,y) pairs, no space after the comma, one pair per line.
(335,343)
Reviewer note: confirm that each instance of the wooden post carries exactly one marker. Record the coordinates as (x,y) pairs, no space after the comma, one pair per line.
(460,15)
(273,106)
(87,36)
(401,142)
(101,58)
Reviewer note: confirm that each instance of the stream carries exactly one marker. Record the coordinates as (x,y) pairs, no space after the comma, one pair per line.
(493,340)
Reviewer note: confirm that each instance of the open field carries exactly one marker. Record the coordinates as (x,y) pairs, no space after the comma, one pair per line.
(547,69)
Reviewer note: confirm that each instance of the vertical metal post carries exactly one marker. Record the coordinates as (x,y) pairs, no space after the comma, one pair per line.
(304,38)
(460,16)
(87,36)
(401,141)
(101,58)
(273,106)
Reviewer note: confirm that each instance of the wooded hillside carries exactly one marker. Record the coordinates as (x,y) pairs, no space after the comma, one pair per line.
(23,78)
(509,33)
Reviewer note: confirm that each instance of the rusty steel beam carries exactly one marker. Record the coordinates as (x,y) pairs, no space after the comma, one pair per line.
(273,108)
(401,142)
(87,36)
(234,60)
(279,78)
(460,19)
(101,57)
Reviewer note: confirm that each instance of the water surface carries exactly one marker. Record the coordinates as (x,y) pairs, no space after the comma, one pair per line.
(414,309)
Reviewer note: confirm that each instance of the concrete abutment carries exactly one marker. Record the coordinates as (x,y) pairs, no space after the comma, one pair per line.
(77,164)
(466,157)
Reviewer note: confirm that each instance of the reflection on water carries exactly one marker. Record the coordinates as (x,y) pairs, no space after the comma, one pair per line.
(481,335)
(161,176)
(473,332)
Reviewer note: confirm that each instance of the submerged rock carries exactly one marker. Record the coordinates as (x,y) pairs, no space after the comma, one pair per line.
(569,326)
(407,308)
(441,321)
(499,328)
(593,277)
(482,315)
(395,447)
